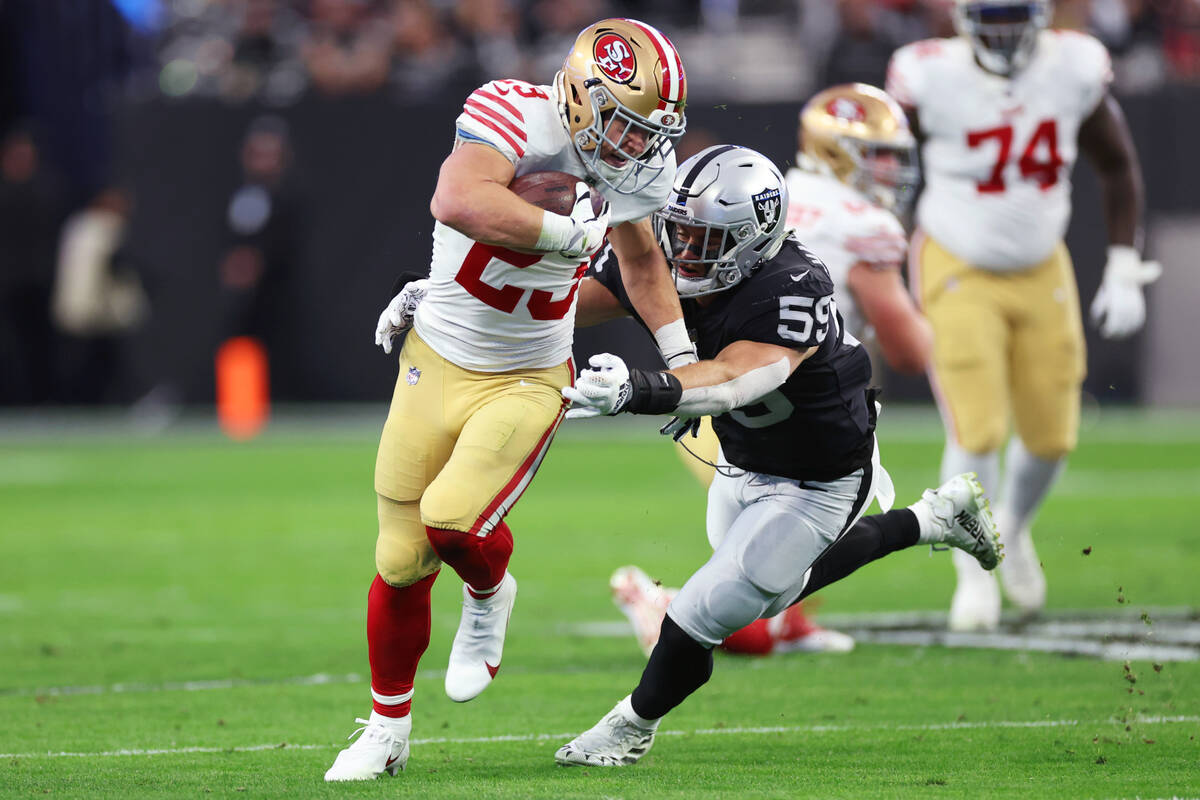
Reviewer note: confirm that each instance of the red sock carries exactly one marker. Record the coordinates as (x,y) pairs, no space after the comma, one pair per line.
(479,560)
(753,640)
(397,635)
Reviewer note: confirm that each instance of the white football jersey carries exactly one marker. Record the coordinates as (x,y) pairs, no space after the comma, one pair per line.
(843,228)
(491,309)
(998,152)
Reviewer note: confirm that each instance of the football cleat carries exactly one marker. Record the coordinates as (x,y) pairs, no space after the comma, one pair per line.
(614,741)
(961,508)
(1021,573)
(383,747)
(479,643)
(976,602)
(642,601)
(796,633)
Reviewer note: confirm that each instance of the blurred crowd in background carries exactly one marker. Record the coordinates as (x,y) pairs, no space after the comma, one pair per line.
(66,64)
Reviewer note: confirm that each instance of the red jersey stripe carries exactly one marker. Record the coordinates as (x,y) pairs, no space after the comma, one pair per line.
(503,120)
(480,94)
(489,124)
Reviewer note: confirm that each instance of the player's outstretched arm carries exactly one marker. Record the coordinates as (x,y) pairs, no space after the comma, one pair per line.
(650,289)
(740,374)
(903,333)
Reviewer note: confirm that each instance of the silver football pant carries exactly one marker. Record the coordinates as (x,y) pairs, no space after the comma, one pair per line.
(766,532)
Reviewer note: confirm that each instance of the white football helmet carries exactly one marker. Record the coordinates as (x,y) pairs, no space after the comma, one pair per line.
(726,216)
(622,92)
(1003,33)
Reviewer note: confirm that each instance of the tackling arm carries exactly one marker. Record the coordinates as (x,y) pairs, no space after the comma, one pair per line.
(903,333)
(740,374)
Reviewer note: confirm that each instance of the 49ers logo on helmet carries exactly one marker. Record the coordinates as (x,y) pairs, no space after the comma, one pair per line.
(846,108)
(615,57)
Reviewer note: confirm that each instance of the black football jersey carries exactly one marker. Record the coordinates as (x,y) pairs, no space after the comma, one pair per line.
(819,424)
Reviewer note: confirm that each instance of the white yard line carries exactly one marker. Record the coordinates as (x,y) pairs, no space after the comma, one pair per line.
(538,737)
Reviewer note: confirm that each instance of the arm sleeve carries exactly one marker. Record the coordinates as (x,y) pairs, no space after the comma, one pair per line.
(740,391)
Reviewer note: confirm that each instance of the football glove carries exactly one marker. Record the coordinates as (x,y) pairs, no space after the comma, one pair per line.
(398,316)
(602,390)
(579,235)
(1119,309)
(678,427)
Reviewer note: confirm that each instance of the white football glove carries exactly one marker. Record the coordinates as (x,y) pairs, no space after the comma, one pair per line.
(398,316)
(604,389)
(579,235)
(1119,309)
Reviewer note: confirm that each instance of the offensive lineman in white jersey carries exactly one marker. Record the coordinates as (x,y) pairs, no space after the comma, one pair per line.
(1001,111)
(855,172)
(477,400)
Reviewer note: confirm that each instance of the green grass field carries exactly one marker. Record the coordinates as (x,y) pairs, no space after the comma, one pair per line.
(183,616)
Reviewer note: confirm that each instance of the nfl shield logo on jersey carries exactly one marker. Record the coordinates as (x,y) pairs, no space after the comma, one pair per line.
(766,207)
(413,376)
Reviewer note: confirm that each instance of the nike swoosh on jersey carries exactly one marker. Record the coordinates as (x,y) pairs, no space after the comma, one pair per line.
(800,277)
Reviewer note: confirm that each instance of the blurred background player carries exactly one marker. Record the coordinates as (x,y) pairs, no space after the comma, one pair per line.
(855,174)
(477,401)
(1000,112)
(786,385)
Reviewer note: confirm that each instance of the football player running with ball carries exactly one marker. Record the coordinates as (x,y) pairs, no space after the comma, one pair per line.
(1001,111)
(477,399)
(786,385)
(855,176)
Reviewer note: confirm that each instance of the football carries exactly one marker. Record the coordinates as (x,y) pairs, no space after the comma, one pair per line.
(552,191)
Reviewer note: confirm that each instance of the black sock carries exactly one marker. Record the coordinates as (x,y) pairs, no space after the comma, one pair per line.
(678,666)
(871,538)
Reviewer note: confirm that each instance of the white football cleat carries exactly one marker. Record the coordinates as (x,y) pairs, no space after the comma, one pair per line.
(614,741)
(976,602)
(479,643)
(383,747)
(965,517)
(1021,573)
(642,601)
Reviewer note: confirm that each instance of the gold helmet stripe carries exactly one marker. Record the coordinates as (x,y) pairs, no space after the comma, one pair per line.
(672,66)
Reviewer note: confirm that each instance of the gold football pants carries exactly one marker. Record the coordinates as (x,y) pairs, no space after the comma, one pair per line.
(457,451)
(1004,343)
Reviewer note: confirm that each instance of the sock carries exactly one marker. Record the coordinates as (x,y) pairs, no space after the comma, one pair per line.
(956,460)
(626,708)
(931,530)
(1027,481)
(398,621)
(756,639)
(871,538)
(479,560)
(678,666)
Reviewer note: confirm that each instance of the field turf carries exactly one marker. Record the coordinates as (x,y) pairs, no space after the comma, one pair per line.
(183,616)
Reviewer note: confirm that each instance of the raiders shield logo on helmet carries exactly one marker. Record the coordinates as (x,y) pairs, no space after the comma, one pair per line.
(766,207)
(615,57)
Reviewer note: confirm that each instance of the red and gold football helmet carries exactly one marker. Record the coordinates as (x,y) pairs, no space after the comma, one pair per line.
(860,135)
(622,91)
